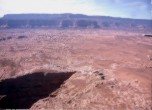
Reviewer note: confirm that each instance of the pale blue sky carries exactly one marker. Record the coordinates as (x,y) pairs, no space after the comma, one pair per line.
(140,9)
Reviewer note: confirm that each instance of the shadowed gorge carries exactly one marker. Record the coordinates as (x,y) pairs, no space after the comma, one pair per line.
(23,91)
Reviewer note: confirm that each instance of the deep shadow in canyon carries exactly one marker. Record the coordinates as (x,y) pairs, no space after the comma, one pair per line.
(22,92)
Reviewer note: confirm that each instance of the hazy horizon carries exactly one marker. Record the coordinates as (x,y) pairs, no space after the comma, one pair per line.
(136,9)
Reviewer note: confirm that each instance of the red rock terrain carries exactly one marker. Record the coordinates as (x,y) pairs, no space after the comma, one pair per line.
(75,69)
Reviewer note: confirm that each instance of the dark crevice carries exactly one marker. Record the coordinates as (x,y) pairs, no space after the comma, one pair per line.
(22,92)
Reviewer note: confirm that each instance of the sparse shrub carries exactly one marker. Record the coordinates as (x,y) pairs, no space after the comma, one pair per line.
(3,39)
(21,37)
(8,38)
(102,76)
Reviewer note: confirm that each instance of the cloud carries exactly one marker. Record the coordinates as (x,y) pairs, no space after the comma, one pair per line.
(140,9)
(46,6)
(118,8)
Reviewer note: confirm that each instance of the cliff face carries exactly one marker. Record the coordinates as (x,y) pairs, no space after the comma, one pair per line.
(71,21)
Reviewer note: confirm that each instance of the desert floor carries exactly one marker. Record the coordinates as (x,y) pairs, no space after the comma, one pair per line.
(87,69)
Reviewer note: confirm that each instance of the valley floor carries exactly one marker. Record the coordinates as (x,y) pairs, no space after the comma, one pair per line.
(112,69)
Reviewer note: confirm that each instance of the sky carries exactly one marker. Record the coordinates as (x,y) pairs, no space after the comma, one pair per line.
(137,9)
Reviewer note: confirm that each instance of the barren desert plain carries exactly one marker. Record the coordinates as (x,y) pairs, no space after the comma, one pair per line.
(75,69)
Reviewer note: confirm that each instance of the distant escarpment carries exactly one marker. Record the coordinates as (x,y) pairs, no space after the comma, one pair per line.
(72,21)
